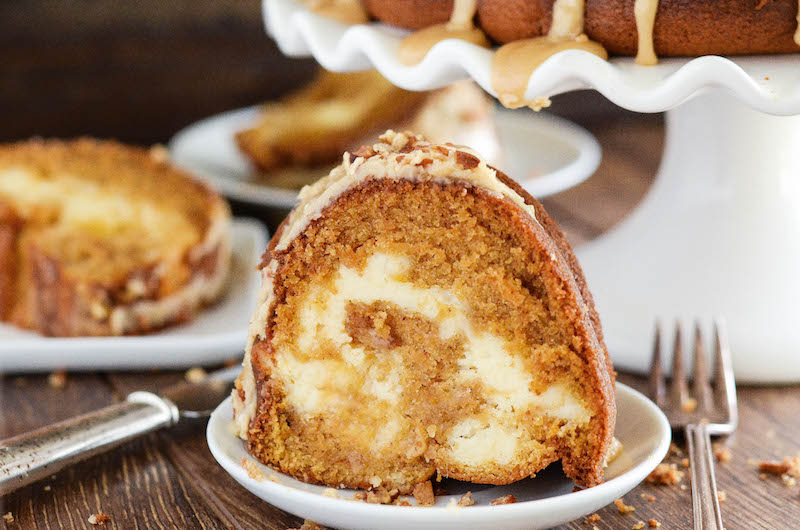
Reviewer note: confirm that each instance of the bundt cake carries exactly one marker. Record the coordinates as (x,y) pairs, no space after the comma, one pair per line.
(531,31)
(98,238)
(420,313)
(304,134)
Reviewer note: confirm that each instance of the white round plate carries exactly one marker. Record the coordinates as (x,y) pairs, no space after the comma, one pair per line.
(543,502)
(545,153)
(767,83)
(215,335)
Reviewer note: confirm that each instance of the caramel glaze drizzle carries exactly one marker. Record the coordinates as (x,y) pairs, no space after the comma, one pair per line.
(797,31)
(645,13)
(414,47)
(514,62)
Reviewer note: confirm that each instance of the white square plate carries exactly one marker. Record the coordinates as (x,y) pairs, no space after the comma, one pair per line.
(216,334)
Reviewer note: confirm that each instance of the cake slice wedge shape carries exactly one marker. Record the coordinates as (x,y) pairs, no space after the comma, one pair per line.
(421,314)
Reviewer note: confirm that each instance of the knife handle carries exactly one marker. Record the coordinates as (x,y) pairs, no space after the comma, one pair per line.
(33,456)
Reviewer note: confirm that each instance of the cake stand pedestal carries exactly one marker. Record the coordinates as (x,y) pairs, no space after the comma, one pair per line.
(718,235)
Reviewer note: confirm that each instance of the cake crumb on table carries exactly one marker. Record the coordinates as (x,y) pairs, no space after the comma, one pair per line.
(788,466)
(646,497)
(423,493)
(722,495)
(505,499)
(639,525)
(652,523)
(722,453)
(594,518)
(8,517)
(689,406)
(195,375)
(252,470)
(684,462)
(466,499)
(666,474)
(57,379)
(675,450)
(99,519)
(622,507)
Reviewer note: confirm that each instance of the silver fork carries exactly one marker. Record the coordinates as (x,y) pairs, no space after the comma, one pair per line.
(715,412)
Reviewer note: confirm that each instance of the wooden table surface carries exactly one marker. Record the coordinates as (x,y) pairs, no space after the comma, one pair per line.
(170,480)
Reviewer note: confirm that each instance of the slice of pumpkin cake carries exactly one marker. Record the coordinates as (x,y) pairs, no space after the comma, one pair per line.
(421,313)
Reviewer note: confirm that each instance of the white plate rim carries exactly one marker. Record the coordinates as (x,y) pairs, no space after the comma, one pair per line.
(563,131)
(605,492)
(19,353)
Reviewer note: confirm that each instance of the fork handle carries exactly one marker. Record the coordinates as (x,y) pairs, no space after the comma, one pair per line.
(705,503)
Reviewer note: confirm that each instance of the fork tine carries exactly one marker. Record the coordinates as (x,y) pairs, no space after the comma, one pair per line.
(679,391)
(724,383)
(701,388)
(656,373)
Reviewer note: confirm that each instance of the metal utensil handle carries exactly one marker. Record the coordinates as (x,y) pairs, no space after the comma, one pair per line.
(705,503)
(32,456)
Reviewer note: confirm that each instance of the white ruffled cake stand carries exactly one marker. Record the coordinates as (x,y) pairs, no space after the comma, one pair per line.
(718,234)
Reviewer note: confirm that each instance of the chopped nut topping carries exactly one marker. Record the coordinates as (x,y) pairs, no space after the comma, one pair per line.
(99,519)
(467,160)
(423,493)
(505,499)
(466,499)
(57,379)
(622,507)
(666,474)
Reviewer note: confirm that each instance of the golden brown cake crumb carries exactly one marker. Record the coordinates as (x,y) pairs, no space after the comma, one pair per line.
(684,462)
(788,466)
(722,496)
(689,406)
(8,517)
(666,474)
(253,470)
(594,518)
(401,502)
(622,507)
(330,492)
(466,499)
(382,496)
(423,493)
(638,526)
(505,499)
(99,519)
(652,523)
(674,450)
(57,379)
(360,496)
(722,453)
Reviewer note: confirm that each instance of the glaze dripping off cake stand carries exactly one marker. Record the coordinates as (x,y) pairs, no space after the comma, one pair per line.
(718,233)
